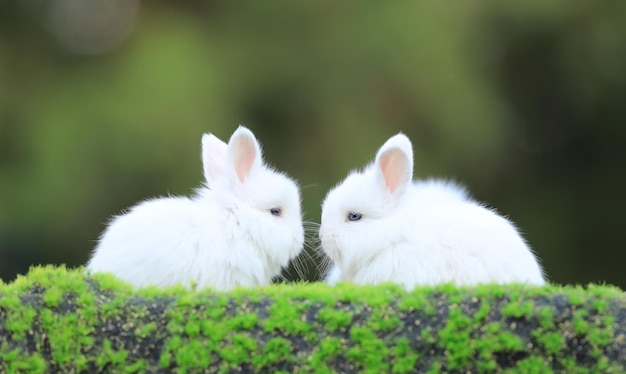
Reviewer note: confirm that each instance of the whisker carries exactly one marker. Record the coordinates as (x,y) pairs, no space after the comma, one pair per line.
(310,225)
(313,251)
(306,187)
(322,262)
(311,230)
(317,252)
(324,268)
(306,254)
(300,266)
(311,244)
(280,278)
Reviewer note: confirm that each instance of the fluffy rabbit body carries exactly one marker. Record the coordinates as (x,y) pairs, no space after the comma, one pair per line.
(380,226)
(238,230)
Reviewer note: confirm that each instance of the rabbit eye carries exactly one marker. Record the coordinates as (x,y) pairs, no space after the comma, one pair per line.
(276,212)
(352,216)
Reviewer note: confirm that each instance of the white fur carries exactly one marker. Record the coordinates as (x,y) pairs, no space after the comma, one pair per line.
(334,275)
(223,237)
(418,233)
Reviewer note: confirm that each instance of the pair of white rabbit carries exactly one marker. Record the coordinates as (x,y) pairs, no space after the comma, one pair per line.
(377,226)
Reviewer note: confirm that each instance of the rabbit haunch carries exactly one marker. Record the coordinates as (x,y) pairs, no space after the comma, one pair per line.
(379,226)
(240,229)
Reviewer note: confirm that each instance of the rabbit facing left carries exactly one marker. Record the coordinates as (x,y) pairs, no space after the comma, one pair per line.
(379,225)
(240,229)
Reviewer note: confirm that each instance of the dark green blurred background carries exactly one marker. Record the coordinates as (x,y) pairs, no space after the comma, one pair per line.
(102,104)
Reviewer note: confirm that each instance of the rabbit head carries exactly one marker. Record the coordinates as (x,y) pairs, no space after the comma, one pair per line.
(262,204)
(358,215)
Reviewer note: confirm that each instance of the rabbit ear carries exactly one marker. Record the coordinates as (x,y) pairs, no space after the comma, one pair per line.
(394,163)
(213,157)
(244,152)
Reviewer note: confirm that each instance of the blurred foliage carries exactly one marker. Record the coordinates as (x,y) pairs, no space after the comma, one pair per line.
(523,102)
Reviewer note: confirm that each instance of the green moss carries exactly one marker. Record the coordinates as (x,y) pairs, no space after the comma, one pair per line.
(384,318)
(601,336)
(238,350)
(244,321)
(576,297)
(601,305)
(534,365)
(417,300)
(427,336)
(165,360)
(509,342)
(369,352)
(482,291)
(15,361)
(52,297)
(143,331)
(192,326)
(519,309)
(483,312)
(287,316)
(86,303)
(10,300)
(19,321)
(111,358)
(581,327)
(495,340)
(139,366)
(553,342)
(333,319)
(111,309)
(375,295)
(570,366)
(493,327)
(59,320)
(546,317)
(67,335)
(109,282)
(193,355)
(276,350)
(455,338)
(435,368)
(603,291)
(328,349)
(404,356)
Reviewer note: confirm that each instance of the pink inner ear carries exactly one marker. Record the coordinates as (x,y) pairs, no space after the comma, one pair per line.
(243,157)
(394,167)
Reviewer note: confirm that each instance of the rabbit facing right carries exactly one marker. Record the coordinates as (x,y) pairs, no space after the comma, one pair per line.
(379,226)
(239,230)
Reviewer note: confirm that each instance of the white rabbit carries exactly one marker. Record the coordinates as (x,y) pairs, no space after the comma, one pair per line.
(239,230)
(379,226)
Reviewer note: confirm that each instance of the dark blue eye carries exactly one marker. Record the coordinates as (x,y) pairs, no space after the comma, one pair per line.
(352,216)
(276,212)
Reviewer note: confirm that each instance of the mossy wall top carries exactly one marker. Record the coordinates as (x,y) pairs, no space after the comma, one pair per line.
(55,319)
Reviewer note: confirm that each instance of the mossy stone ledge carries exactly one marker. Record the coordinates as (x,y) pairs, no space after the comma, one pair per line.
(59,320)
